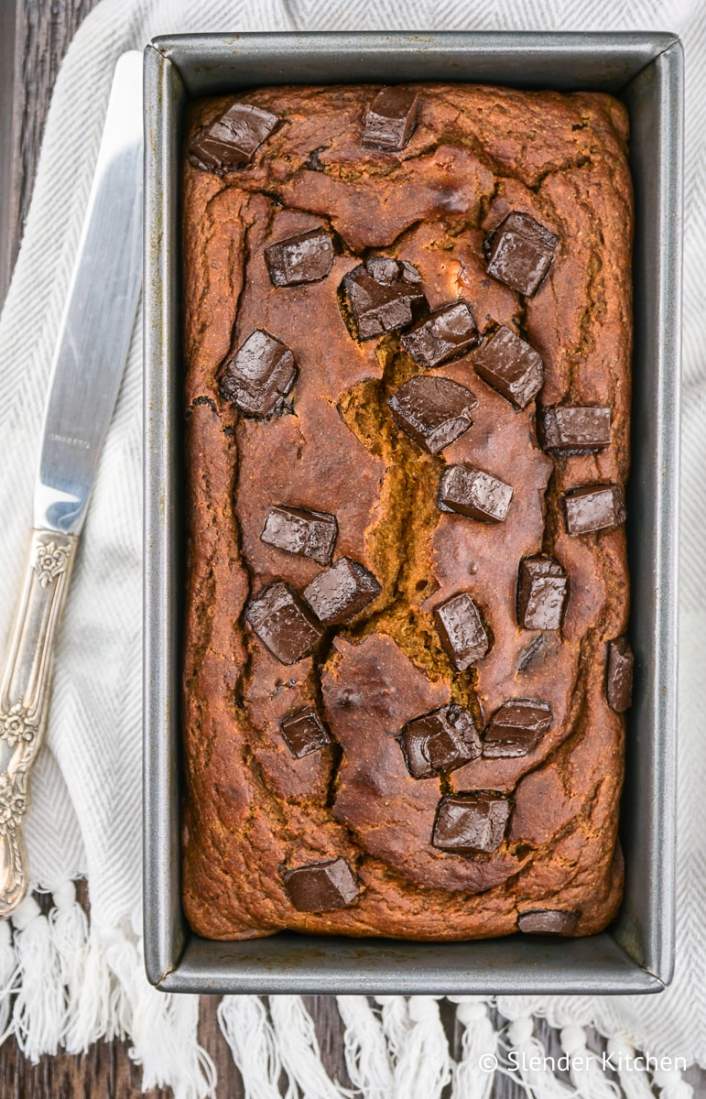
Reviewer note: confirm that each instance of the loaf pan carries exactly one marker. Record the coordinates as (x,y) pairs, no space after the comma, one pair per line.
(636,954)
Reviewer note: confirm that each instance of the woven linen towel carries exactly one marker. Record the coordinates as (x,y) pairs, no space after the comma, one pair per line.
(72,983)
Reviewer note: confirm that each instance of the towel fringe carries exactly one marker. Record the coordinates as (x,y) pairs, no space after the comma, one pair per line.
(672,1084)
(634,1083)
(529,1060)
(474,1074)
(162,1028)
(368,1060)
(246,1027)
(83,969)
(9,976)
(395,1023)
(39,1008)
(193,1074)
(144,1013)
(424,1064)
(299,1050)
(586,1072)
(91,1016)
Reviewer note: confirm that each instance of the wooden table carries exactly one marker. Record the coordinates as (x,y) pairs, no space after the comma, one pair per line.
(34,35)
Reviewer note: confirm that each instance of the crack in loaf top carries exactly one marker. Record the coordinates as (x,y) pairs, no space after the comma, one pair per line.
(384,290)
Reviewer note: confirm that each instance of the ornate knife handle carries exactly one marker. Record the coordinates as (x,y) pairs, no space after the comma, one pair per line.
(24,696)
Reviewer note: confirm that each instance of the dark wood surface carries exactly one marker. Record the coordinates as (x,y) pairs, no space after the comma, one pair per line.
(34,35)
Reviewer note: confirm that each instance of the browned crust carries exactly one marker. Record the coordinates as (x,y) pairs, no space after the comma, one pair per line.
(251,808)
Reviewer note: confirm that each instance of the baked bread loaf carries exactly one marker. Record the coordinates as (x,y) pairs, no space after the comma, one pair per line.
(407,342)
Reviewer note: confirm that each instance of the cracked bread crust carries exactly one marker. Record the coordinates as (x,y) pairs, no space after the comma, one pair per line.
(252,809)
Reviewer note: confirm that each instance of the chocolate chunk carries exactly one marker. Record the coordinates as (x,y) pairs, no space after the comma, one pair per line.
(511,366)
(439,741)
(432,411)
(381,295)
(321,886)
(341,591)
(516,728)
(548,921)
(539,650)
(474,493)
(594,507)
(283,623)
(575,429)
(298,530)
(390,119)
(231,140)
(259,376)
(304,732)
(470,823)
(307,257)
(520,252)
(619,672)
(386,271)
(461,630)
(542,589)
(445,334)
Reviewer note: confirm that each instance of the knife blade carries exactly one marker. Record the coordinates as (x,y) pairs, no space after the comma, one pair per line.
(88,363)
(97,323)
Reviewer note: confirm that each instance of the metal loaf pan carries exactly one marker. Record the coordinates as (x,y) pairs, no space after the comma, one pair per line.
(636,954)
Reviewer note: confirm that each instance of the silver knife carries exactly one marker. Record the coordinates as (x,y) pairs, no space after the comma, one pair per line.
(91,351)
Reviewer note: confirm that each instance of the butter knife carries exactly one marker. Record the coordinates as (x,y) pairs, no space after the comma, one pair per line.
(89,360)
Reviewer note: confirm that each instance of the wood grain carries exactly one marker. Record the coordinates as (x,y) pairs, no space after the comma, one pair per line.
(34,36)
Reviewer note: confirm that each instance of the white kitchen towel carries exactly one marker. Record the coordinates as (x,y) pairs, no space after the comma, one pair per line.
(73,983)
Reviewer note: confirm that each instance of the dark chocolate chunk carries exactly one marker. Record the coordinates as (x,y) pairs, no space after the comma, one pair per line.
(304,732)
(470,823)
(439,741)
(386,271)
(542,589)
(283,623)
(548,921)
(341,591)
(575,429)
(462,631)
(307,257)
(540,649)
(594,507)
(511,366)
(381,295)
(516,728)
(231,140)
(259,376)
(619,671)
(390,119)
(475,493)
(321,886)
(445,334)
(520,252)
(433,411)
(299,530)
